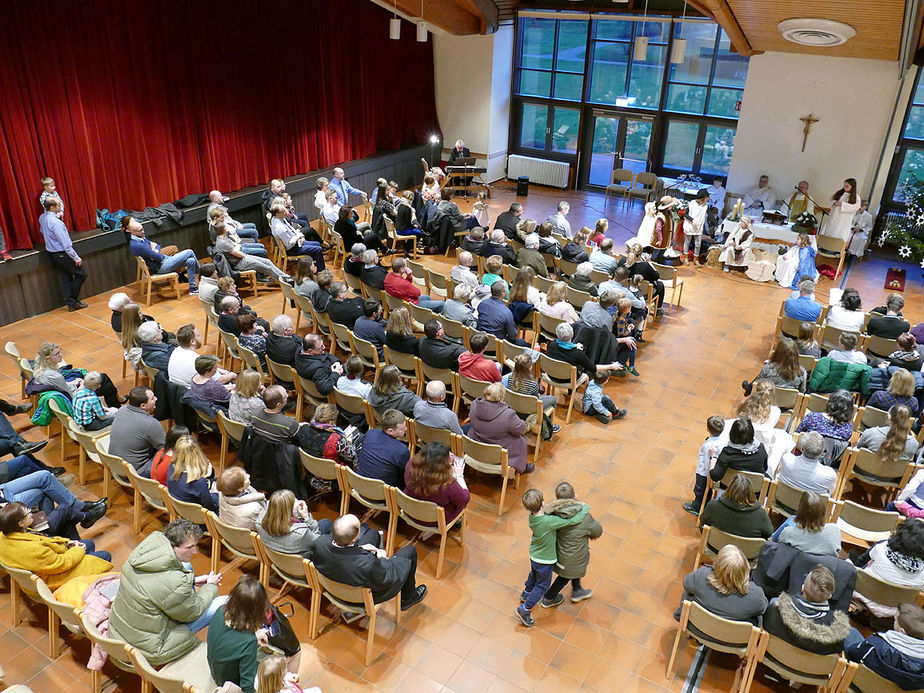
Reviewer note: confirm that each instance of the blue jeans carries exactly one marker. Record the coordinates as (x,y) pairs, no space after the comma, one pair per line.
(312,248)
(206,618)
(537,583)
(39,489)
(776,535)
(253,249)
(249,230)
(429,303)
(20,466)
(90,550)
(854,637)
(175,263)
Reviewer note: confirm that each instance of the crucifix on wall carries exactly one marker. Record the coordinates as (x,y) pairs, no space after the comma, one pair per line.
(809,120)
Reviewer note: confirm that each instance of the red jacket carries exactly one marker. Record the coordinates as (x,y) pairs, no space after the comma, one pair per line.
(478,367)
(399,287)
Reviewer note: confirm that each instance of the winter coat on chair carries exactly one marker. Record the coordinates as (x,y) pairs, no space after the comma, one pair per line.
(830,375)
(498,424)
(272,465)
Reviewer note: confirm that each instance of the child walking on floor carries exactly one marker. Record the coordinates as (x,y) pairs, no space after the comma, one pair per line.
(572,546)
(708,452)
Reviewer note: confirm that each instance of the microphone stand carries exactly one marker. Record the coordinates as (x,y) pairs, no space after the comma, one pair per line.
(817,206)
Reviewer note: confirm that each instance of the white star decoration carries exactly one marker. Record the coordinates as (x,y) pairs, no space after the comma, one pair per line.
(922,264)
(904,251)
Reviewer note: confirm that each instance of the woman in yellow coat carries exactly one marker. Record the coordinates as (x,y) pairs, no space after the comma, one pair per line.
(54,559)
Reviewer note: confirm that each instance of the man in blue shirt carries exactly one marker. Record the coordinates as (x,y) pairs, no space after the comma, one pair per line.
(384,456)
(157,262)
(494,317)
(370,326)
(342,187)
(804,308)
(58,244)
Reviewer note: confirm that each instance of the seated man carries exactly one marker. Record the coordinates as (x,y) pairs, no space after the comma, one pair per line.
(370,326)
(331,209)
(315,363)
(237,232)
(242,261)
(227,318)
(282,344)
(352,558)
(383,455)
(399,283)
(433,411)
(498,246)
(494,317)
(892,324)
(575,249)
(293,239)
(373,273)
(896,655)
(807,620)
(474,241)
(343,309)
(847,353)
(596,314)
(161,602)
(507,221)
(529,256)
(581,279)
(602,258)
(435,350)
(474,364)
(463,273)
(135,435)
(804,308)
(806,471)
(154,352)
(271,423)
(619,286)
(277,191)
(158,263)
(558,221)
(182,364)
(354,263)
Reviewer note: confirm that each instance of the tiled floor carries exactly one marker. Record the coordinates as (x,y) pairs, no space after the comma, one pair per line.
(634,474)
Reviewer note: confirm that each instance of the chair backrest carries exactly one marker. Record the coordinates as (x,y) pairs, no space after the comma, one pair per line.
(406,363)
(318,466)
(393,302)
(354,282)
(471,387)
(830,336)
(544,284)
(799,661)
(143,268)
(621,175)
(116,466)
(577,298)
(444,375)
(13,352)
(717,629)
(308,388)
(667,273)
(646,179)
(437,280)
(790,327)
(567,267)
(250,359)
(756,479)
(25,369)
(453,328)
(528,405)
(853,516)
(364,348)
(161,682)
(599,276)
(66,612)
(548,325)
(190,511)
(149,488)
(288,566)
(231,342)
(485,457)
(786,398)
(238,539)
(558,371)
(303,303)
(419,272)
(421,315)
(419,512)
(865,680)
(229,427)
(23,578)
(427,434)
(868,463)
(880,346)
(815,402)
(883,592)
(786,498)
(342,334)
(373,493)
(279,371)
(715,539)
(830,244)
(352,404)
(869,417)
(87,441)
(287,290)
(63,418)
(342,594)
(114,648)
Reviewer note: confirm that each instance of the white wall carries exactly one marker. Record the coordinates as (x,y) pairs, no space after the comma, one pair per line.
(472,76)
(853,98)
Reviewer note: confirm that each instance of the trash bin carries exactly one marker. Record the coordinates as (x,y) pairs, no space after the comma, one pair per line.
(523,186)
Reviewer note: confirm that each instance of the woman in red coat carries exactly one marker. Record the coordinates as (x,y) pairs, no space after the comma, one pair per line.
(496,423)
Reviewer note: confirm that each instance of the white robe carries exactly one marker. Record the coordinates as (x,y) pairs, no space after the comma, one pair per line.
(768,196)
(717,197)
(840,219)
(728,253)
(863,224)
(696,218)
(646,228)
(788,263)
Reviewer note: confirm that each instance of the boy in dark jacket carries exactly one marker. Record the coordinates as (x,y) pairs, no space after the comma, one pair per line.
(807,621)
(896,655)
(571,547)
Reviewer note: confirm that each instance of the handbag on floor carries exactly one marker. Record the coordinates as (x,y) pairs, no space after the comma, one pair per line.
(281,635)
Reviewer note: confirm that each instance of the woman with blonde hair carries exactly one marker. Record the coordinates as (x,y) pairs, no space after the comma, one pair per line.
(556,306)
(49,370)
(524,288)
(247,398)
(189,475)
(288,527)
(131,321)
(893,442)
(759,407)
(900,391)
(725,588)
(399,332)
(390,392)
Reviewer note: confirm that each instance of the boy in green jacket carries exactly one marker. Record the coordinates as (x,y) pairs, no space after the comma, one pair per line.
(542,551)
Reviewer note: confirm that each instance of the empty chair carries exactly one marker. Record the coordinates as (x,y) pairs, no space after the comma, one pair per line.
(147,280)
(643,187)
(490,459)
(149,490)
(622,180)
(864,526)
(239,541)
(670,277)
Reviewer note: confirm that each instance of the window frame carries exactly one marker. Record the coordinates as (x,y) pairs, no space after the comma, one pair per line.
(904,144)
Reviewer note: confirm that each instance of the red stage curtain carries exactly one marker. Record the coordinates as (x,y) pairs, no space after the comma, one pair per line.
(128,105)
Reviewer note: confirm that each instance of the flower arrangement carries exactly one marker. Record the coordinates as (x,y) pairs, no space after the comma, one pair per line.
(806,223)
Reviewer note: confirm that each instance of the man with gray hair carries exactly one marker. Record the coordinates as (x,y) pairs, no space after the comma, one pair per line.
(581,280)
(315,363)
(354,263)
(282,344)
(433,411)
(806,471)
(373,273)
(805,308)
(462,273)
(154,352)
(529,256)
(459,307)
(342,309)
(558,221)
(243,229)
(498,246)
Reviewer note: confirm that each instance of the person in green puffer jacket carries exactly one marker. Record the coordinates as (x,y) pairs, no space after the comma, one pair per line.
(158,607)
(830,375)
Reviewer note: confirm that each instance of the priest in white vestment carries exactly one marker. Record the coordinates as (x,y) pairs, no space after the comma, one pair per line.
(761,193)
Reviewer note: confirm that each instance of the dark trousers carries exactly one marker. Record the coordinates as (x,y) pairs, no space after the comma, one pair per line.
(699,490)
(559,584)
(8,436)
(72,277)
(98,424)
(107,390)
(537,583)
(62,522)
(90,550)
(409,588)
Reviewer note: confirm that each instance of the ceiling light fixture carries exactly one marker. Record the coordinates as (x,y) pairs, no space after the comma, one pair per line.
(679,47)
(421,26)
(816,32)
(640,51)
(394,25)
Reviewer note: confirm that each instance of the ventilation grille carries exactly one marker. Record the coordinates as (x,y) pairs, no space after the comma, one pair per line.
(819,33)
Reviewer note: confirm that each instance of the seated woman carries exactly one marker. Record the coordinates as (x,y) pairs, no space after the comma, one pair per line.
(742,452)
(639,262)
(239,503)
(898,560)
(399,334)
(524,288)
(288,527)
(383,208)
(88,411)
(434,475)
(737,511)
(353,233)
(555,304)
(247,398)
(241,261)
(305,283)
(848,315)
(836,421)
(725,588)
(237,632)
(390,392)
(406,223)
(893,442)
(252,336)
(131,343)
(459,307)
(900,391)
(323,438)
(782,368)
(907,355)
(49,370)
(807,529)
(806,343)
(54,559)
(495,422)
(163,458)
(117,303)
(189,475)
(205,387)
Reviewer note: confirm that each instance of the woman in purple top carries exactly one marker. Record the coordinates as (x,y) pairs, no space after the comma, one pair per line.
(836,421)
(432,475)
(203,387)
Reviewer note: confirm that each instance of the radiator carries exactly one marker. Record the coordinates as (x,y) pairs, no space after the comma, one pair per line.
(542,171)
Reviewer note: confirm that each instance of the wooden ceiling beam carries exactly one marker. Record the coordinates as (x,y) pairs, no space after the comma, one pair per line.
(445,14)
(723,15)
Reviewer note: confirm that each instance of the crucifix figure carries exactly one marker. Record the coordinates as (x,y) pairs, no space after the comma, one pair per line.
(809,120)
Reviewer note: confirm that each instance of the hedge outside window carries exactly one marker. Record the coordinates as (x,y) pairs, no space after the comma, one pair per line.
(552,58)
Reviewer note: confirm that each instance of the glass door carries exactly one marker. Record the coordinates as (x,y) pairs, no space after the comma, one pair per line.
(616,141)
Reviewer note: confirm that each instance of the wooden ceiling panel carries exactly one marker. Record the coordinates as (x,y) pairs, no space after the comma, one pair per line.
(878,25)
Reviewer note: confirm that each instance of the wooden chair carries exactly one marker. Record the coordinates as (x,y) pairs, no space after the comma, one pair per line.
(321,322)
(548,325)
(151,677)
(340,252)
(238,540)
(420,434)
(489,459)
(303,306)
(211,318)
(352,281)
(427,516)
(374,494)
(789,400)
(230,430)
(879,347)
(319,467)
(577,298)
(643,187)
(58,612)
(830,337)
(566,268)
(279,373)
(13,352)
(177,508)
(623,179)
(599,276)
(760,485)
(867,467)
(306,389)
(859,678)
(449,378)
(283,259)
(67,432)
(408,365)
(716,633)
(393,303)
(288,295)
(470,389)
(869,417)
(340,339)
(354,600)
(671,280)
(354,405)
(831,248)
(813,402)
(20,583)
(794,664)
(438,284)
(783,499)
(113,468)
(115,650)
(147,280)
(288,566)
(455,330)
(367,353)
(394,238)
(789,327)
(531,407)
(713,539)
(876,590)
(252,361)
(232,350)
(864,526)
(419,314)
(559,375)
(88,447)
(147,489)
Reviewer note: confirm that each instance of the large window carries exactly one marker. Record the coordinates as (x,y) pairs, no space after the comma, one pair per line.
(552,58)
(910,158)
(616,78)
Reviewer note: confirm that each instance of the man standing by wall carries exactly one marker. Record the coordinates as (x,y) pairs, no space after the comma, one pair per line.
(58,244)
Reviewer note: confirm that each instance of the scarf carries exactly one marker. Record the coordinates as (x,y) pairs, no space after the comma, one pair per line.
(746,448)
(810,610)
(907,563)
(565,345)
